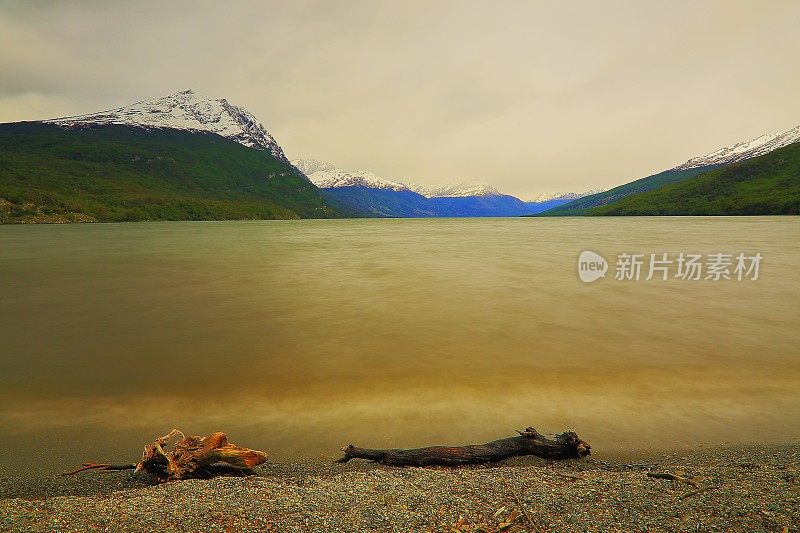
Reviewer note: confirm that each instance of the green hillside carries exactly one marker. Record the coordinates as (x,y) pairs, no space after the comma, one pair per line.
(120,173)
(765,185)
(581,206)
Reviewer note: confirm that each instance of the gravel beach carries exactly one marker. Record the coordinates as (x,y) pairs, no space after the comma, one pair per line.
(742,488)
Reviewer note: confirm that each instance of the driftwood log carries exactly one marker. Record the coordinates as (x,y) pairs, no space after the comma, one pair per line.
(565,445)
(190,457)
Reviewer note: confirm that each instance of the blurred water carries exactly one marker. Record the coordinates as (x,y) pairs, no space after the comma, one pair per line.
(300,336)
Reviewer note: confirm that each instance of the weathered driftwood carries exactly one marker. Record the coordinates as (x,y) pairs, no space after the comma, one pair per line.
(190,457)
(671,477)
(566,445)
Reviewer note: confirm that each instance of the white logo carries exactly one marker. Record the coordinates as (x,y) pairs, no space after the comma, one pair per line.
(591,266)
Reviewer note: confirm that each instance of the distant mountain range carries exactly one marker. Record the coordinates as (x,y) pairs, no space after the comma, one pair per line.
(366,192)
(688,173)
(184,157)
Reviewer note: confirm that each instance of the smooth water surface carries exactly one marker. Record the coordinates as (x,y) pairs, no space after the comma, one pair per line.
(297,337)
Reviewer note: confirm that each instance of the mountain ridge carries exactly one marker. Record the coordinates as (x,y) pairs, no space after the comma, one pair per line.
(738,152)
(768,184)
(188,111)
(461,189)
(364,191)
(763,144)
(550,196)
(327,175)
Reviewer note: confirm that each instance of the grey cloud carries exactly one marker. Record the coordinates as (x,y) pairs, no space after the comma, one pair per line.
(531,96)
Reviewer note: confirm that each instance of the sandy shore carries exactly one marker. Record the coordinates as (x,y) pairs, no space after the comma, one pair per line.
(748,489)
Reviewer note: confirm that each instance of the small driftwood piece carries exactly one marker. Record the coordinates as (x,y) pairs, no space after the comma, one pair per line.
(190,457)
(671,477)
(534,525)
(100,466)
(566,445)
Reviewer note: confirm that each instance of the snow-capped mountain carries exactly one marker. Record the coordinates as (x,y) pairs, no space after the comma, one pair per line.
(457,190)
(566,196)
(744,150)
(365,192)
(326,176)
(186,110)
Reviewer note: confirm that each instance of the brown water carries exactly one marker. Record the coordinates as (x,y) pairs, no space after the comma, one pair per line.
(300,336)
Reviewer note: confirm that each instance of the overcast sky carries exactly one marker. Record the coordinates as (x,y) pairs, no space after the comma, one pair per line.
(529,96)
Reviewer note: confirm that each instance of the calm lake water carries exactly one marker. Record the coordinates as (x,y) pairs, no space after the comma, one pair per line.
(298,337)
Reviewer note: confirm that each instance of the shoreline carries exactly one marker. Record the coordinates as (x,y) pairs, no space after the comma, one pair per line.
(736,488)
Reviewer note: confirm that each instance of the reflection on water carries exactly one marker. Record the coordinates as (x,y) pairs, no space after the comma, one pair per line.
(299,336)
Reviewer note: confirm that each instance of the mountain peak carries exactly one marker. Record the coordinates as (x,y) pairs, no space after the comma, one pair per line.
(326,176)
(309,166)
(458,190)
(186,110)
(566,196)
(744,150)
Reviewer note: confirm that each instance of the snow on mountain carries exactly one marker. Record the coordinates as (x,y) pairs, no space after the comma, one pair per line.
(745,150)
(550,196)
(309,166)
(326,176)
(186,110)
(458,190)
